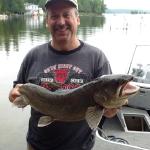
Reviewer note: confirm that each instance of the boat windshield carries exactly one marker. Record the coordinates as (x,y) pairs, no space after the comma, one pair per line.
(140,64)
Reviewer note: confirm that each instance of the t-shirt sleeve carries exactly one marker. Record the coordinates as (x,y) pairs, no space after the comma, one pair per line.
(23,71)
(102,66)
(21,74)
(106,69)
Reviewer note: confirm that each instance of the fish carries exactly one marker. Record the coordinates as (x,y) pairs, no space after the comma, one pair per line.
(85,102)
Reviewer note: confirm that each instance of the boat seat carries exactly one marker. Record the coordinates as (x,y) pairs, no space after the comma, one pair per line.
(133,119)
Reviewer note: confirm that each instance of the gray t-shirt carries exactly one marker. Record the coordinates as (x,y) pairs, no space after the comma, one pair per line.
(70,69)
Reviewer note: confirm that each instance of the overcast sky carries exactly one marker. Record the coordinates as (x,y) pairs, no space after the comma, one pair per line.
(131,4)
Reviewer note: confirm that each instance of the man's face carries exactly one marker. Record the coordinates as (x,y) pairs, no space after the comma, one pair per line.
(62,22)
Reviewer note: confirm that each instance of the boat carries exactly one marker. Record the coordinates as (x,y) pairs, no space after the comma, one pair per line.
(3,17)
(130,128)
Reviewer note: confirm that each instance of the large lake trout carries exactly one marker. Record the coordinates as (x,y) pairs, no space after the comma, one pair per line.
(85,102)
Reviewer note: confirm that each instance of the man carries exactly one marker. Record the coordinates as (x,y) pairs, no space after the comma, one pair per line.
(69,62)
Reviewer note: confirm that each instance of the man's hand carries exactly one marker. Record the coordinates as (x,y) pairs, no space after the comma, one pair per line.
(14,93)
(110,112)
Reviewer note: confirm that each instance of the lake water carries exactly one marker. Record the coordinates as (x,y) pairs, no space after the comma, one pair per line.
(116,34)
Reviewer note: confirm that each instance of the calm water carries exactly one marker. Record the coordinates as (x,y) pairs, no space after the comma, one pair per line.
(116,35)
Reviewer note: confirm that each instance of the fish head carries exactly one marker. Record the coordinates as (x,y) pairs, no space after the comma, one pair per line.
(112,91)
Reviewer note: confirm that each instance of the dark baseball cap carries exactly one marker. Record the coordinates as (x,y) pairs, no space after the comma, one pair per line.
(49,2)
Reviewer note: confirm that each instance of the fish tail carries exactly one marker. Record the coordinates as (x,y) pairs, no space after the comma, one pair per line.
(20,102)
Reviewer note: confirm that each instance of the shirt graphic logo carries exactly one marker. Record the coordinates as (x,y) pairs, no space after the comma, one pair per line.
(61,75)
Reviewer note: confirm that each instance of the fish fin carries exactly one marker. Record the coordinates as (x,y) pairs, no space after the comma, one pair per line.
(45,121)
(93,116)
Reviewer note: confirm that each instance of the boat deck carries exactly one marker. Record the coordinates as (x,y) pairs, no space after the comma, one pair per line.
(130,124)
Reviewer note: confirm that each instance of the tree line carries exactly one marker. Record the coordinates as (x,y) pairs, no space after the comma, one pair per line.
(17,6)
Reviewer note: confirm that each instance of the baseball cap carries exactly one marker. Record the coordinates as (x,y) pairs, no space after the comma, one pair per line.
(74,2)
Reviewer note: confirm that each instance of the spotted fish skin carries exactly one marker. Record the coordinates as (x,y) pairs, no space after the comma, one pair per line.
(84,102)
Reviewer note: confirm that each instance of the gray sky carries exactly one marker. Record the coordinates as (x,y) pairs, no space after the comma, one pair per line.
(131,4)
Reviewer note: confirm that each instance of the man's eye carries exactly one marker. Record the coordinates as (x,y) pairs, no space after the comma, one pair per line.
(54,17)
(66,15)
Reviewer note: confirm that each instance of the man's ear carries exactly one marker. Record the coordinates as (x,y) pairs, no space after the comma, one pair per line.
(46,22)
(78,20)
(46,25)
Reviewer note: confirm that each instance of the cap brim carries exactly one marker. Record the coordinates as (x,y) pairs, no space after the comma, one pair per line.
(51,2)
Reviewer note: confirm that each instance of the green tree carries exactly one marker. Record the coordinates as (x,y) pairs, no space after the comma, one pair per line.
(102,7)
(0,6)
(16,6)
(41,3)
(94,6)
(4,5)
(84,6)
(12,6)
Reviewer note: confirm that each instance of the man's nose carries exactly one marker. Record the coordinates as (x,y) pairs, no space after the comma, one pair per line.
(61,20)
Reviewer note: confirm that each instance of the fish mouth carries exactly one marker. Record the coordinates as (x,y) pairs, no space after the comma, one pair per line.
(128,88)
